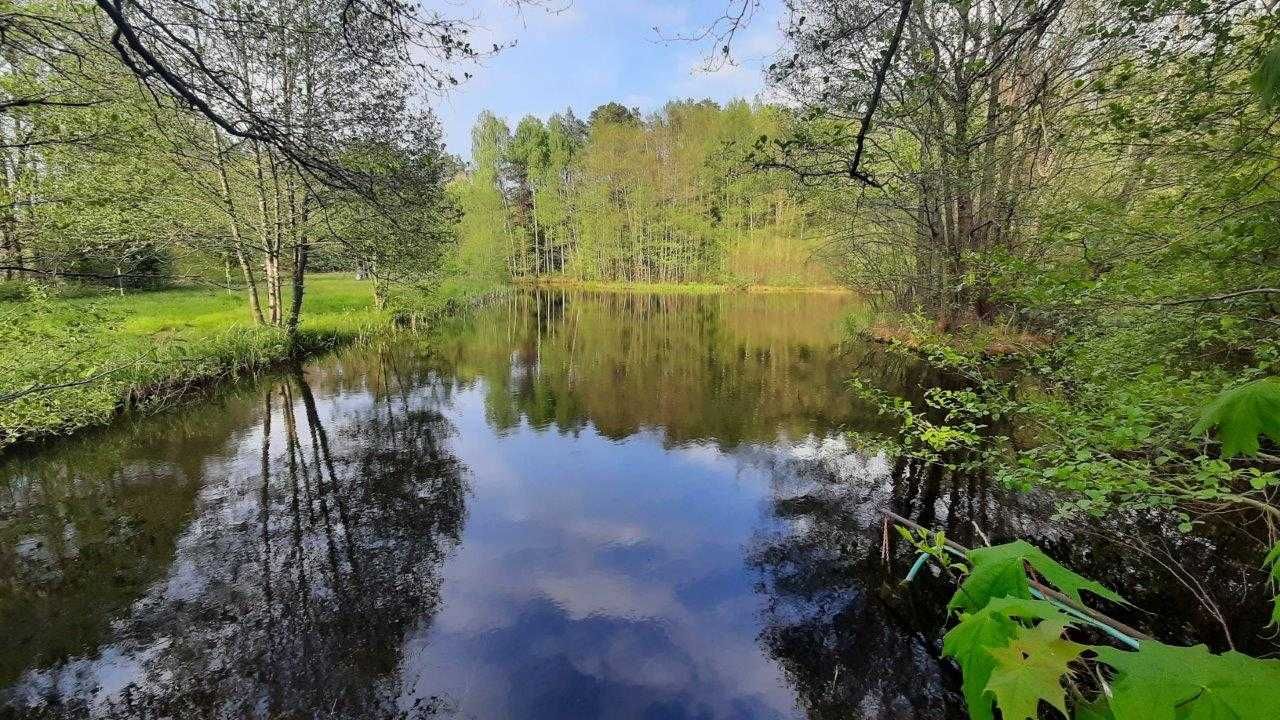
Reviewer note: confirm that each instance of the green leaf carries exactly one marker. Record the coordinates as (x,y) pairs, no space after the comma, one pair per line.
(1266,79)
(1096,710)
(999,571)
(1163,682)
(1243,413)
(1272,565)
(969,643)
(1271,562)
(990,580)
(1030,669)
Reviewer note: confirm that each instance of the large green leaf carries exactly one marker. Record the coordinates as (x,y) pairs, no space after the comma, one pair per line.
(1030,669)
(970,643)
(999,571)
(1266,79)
(1243,413)
(988,580)
(1163,682)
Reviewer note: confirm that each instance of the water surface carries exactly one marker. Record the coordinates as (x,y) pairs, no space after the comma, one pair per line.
(565,505)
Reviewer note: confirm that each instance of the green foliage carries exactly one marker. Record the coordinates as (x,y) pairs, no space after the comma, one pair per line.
(1095,419)
(999,571)
(991,580)
(148,348)
(1151,282)
(1243,413)
(1162,682)
(1122,437)
(1272,565)
(662,200)
(933,544)
(1014,656)
(107,181)
(954,428)
(1030,668)
(969,643)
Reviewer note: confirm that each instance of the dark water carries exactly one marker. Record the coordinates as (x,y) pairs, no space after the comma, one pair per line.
(562,506)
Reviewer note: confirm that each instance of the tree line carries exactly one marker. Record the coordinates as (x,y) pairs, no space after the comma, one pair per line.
(621,197)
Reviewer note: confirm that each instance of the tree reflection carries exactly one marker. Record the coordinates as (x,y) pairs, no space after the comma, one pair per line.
(855,642)
(729,369)
(82,534)
(848,642)
(293,590)
(850,638)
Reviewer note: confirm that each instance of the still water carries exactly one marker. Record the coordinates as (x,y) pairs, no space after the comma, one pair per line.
(560,506)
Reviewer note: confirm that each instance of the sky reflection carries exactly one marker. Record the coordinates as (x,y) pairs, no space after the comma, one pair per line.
(599,574)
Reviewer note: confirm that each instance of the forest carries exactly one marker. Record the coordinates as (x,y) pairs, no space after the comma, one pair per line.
(1015,262)
(632,199)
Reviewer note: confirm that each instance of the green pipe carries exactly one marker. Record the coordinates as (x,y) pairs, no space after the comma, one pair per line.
(1131,642)
(915,568)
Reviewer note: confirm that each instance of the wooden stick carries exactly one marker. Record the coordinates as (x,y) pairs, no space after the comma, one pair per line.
(1045,590)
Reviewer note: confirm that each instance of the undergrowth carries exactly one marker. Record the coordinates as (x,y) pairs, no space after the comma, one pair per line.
(1104,428)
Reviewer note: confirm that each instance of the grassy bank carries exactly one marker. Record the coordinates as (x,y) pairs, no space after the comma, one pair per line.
(104,352)
(72,358)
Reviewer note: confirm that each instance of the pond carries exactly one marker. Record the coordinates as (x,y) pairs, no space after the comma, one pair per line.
(563,505)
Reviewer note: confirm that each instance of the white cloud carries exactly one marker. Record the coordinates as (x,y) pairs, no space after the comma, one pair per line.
(721,83)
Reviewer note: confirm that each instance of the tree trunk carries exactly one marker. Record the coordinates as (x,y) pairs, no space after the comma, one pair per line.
(237,240)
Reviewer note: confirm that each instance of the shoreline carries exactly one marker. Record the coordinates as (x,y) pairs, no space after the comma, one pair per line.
(176,386)
(680,288)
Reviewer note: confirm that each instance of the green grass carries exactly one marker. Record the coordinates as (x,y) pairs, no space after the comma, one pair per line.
(150,347)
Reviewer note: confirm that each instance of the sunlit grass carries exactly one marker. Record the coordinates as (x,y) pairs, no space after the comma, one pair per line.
(153,346)
(331,301)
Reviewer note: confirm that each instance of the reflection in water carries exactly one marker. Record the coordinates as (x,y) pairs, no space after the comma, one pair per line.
(726,369)
(663,519)
(851,640)
(292,587)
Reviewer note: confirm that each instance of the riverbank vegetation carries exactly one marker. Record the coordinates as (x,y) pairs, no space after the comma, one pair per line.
(1101,177)
(74,360)
(1122,206)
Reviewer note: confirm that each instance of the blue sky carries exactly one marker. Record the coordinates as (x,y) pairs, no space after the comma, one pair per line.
(594,51)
